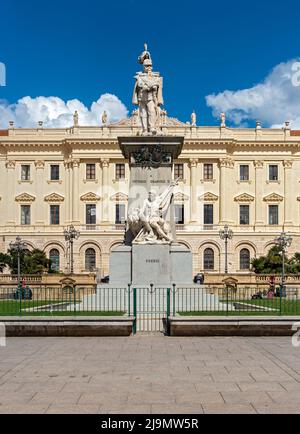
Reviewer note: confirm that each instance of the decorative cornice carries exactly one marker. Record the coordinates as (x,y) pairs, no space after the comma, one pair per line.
(119,197)
(75,163)
(273,197)
(24,197)
(39,164)
(90,197)
(180,197)
(104,162)
(193,162)
(244,197)
(54,197)
(10,164)
(226,162)
(68,163)
(208,197)
(258,164)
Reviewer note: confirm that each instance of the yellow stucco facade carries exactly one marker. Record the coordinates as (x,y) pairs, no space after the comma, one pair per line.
(250,178)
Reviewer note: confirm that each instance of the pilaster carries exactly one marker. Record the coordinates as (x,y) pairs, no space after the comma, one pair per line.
(259,220)
(40,207)
(193,196)
(105,188)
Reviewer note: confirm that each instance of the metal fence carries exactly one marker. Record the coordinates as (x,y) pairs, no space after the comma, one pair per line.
(65,301)
(150,306)
(201,300)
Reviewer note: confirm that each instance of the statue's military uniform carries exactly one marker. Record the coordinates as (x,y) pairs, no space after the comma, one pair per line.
(147,95)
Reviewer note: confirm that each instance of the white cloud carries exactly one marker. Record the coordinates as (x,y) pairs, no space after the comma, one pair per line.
(273,101)
(55,112)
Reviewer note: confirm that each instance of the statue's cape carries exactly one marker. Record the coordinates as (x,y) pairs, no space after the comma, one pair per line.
(160,100)
(134,97)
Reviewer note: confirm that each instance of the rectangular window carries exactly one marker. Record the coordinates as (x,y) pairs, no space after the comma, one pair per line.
(244,172)
(273,214)
(244,214)
(54,172)
(54,214)
(178,171)
(208,214)
(207,171)
(273,172)
(90,171)
(25,214)
(120,213)
(90,214)
(120,171)
(179,214)
(25,172)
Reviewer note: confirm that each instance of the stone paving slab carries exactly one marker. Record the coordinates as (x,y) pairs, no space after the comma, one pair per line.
(150,374)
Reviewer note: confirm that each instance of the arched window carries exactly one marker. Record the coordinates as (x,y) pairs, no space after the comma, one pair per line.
(244,259)
(54,258)
(208,259)
(90,259)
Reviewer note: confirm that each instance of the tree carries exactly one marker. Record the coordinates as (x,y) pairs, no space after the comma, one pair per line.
(5,261)
(269,264)
(32,262)
(293,266)
(272,263)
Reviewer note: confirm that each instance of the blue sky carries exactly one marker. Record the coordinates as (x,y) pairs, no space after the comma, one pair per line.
(81,50)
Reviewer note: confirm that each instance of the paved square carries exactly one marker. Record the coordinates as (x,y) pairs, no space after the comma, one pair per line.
(150,374)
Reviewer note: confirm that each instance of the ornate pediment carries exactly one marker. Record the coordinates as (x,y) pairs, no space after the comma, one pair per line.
(24,197)
(208,197)
(134,120)
(54,197)
(119,197)
(90,197)
(273,197)
(244,197)
(180,197)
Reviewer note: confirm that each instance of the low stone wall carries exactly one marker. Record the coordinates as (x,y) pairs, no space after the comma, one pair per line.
(250,280)
(67,326)
(49,280)
(242,326)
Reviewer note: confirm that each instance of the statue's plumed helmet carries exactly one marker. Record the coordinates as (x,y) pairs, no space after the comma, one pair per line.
(145,56)
(147,62)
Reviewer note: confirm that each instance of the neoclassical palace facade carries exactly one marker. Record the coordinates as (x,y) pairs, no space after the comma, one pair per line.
(246,178)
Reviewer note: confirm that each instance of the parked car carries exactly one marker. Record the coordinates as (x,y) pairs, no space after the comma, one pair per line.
(105,279)
(199,278)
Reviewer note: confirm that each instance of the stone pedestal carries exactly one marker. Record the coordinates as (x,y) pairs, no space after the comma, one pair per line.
(151,171)
(120,266)
(151,264)
(142,264)
(181,264)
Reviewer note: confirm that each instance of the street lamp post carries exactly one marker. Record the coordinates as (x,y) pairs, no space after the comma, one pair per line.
(71,234)
(283,242)
(226,234)
(18,246)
